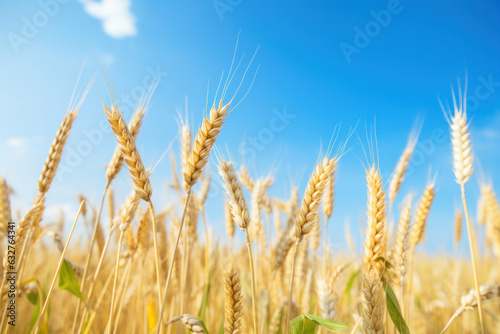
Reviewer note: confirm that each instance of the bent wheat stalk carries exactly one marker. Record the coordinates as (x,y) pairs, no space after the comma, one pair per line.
(469,302)
(138,173)
(241,217)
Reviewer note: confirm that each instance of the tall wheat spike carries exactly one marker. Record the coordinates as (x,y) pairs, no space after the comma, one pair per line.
(186,139)
(307,215)
(328,207)
(375,247)
(205,139)
(233,302)
(229,222)
(463,168)
(241,217)
(492,217)
(401,248)
(402,166)
(5,212)
(55,153)
(423,210)
(140,177)
(134,126)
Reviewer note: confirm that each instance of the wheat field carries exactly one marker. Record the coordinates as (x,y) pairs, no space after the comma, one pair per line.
(144,268)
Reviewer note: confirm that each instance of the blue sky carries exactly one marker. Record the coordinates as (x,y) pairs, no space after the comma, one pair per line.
(322,64)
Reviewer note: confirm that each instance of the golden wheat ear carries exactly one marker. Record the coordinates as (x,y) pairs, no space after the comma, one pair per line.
(375,246)
(62,134)
(460,136)
(233,320)
(239,209)
(469,302)
(463,168)
(211,128)
(403,163)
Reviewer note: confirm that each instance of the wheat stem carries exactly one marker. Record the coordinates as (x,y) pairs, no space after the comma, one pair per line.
(289,311)
(124,290)
(89,255)
(252,272)
(155,245)
(473,256)
(117,266)
(174,252)
(56,274)
(96,274)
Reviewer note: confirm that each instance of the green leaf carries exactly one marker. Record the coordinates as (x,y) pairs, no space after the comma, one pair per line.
(245,285)
(67,280)
(204,327)
(349,286)
(303,325)
(387,264)
(332,326)
(395,310)
(204,301)
(280,331)
(34,298)
(221,327)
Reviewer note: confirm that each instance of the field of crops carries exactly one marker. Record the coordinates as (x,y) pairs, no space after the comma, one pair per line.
(142,266)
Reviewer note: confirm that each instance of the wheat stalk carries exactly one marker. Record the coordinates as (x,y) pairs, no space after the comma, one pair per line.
(401,167)
(111,206)
(51,288)
(256,227)
(126,216)
(246,180)
(233,189)
(492,217)
(241,217)
(5,213)
(402,247)
(469,302)
(312,198)
(418,230)
(423,210)
(326,298)
(463,168)
(375,248)
(308,213)
(186,139)
(316,234)
(176,185)
(116,162)
(192,323)
(205,140)
(55,152)
(328,206)
(140,177)
(22,230)
(458,227)
(229,222)
(233,302)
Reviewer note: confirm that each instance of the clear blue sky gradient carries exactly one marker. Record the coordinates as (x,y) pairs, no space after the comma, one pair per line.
(393,71)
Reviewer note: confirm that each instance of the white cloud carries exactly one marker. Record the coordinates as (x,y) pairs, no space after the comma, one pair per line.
(117,20)
(108,59)
(16,142)
(491,133)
